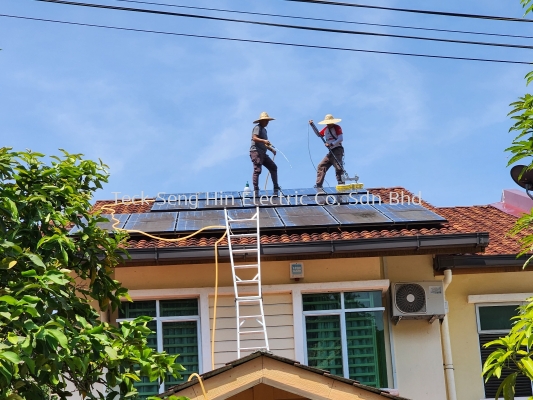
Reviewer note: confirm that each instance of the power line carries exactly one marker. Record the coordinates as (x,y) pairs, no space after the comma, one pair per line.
(327,20)
(308,28)
(442,13)
(270,42)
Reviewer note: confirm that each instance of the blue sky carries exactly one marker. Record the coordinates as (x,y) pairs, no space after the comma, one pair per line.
(174,114)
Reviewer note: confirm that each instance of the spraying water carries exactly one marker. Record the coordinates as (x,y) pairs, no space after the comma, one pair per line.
(283,154)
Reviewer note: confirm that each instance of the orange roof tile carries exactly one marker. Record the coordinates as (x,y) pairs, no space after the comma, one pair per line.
(471,219)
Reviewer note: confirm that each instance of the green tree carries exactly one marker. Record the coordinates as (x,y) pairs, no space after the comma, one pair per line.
(50,284)
(515,351)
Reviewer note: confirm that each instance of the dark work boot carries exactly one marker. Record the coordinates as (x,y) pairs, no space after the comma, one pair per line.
(319,189)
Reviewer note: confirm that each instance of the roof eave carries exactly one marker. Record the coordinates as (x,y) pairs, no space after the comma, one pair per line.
(470,242)
(474,261)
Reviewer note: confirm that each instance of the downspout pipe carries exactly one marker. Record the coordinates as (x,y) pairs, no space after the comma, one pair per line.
(446,345)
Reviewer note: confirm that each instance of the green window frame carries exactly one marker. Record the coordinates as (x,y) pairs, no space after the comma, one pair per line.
(176,330)
(493,322)
(344,333)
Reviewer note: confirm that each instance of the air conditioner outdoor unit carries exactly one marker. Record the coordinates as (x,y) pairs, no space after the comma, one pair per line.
(418,300)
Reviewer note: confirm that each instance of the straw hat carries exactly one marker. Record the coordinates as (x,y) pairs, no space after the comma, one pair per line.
(263,116)
(329,119)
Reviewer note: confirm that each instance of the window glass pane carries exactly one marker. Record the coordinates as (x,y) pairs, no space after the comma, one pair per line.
(321,301)
(145,387)
(366,348)
(523,384)
(496,317)
(324,343)
(181,338)
(178,308)
(137,309)
(362,299)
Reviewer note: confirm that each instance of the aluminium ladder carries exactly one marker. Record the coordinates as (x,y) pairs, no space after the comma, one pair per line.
(247,285)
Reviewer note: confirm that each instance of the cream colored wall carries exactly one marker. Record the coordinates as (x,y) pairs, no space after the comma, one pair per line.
(417,344)
(273,272)
(279,321)
(417,348)
(463,325)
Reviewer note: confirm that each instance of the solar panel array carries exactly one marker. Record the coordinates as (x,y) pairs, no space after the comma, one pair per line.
(108,226)
(294,208)
(265,198)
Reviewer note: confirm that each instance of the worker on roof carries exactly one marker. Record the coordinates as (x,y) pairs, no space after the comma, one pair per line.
(258,152)
(332,134)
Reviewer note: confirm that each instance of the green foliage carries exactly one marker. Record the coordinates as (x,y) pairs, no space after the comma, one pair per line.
(50,333)
(515,351)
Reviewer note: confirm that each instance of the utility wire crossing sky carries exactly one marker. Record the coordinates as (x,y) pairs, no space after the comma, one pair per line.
(429,117)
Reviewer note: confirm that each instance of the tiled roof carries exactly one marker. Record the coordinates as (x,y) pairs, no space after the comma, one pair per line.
(243,360)
(471,219)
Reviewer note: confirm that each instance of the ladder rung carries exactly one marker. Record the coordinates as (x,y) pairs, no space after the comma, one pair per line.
(249,316)
(248,282)
(251,299)
(250,332)
(244,250)
(242,220)
(246,266)
(243,235)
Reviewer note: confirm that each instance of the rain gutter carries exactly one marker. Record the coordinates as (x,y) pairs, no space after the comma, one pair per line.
(472,241)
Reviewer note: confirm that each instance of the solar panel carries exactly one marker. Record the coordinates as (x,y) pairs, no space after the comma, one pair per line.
(108,226)
(152,222)
(174,205)
(300,192)
(268,218)
(195,220)
(199,205)
(219,204)
(305,216)
(357,214)
(314,200)
(328,199)
(268,193)
(408,213)
(226,196)
(174,197)
(266,201)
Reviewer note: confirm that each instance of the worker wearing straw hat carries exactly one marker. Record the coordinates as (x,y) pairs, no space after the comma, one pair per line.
(258,152)
(332,134)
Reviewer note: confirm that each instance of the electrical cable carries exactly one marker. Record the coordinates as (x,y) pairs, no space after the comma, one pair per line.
(112,212)
(214,327)
(270,24)
(441,13)
(327,20)
(310,157)
(271,42)
(201,383)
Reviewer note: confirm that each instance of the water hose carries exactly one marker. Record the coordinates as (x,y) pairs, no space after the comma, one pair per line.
(112,211)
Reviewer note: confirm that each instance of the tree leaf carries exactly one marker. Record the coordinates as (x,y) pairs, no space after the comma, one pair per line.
(10,356)
(9,300)
(60,336)
(36,260)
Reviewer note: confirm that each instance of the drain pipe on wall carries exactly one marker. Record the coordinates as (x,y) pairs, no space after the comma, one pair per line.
(446,345)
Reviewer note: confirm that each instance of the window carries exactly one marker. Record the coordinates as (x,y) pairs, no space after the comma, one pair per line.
(175,329)
(344,334)
(494,321)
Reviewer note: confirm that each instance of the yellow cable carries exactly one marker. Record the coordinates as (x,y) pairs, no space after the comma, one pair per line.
(112,211)
(201,384)
(215,304)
